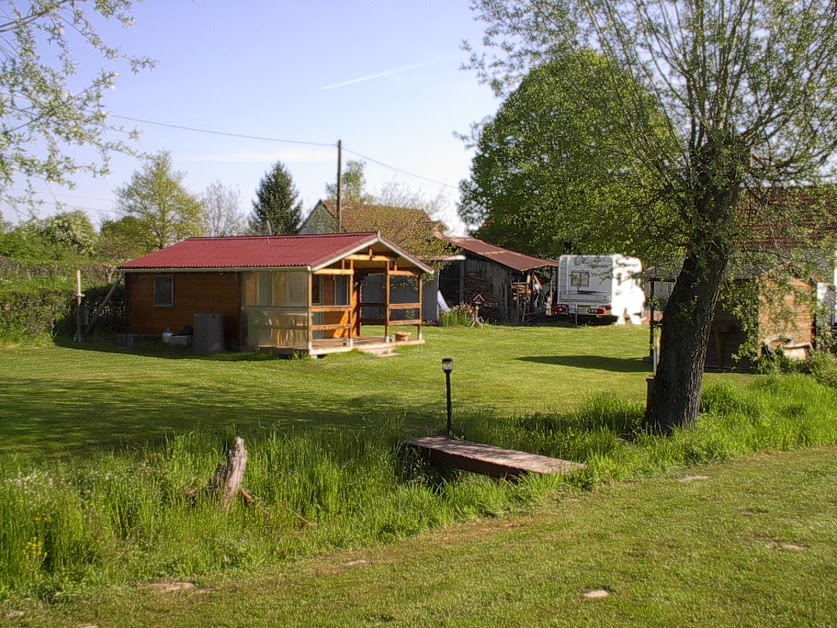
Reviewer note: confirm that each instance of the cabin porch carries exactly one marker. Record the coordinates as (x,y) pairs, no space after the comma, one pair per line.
(327,310)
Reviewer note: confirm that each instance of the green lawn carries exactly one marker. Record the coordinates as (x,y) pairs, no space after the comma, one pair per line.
(71,399)
(754,544)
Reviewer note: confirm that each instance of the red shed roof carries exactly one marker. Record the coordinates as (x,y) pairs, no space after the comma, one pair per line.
(299,251)
(511,259)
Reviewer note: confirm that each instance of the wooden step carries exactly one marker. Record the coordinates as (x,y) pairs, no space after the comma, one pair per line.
(487,459)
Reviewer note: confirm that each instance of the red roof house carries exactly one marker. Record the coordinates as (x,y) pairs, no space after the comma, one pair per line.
(286,293)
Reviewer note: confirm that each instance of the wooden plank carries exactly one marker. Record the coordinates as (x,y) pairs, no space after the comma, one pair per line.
(404,273)
(330,308)
(370,258)
(404,323)
(333,271)
(489,460)
(405,306)
(330,327)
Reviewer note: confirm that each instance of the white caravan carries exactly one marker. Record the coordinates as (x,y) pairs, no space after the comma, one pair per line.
(604,286)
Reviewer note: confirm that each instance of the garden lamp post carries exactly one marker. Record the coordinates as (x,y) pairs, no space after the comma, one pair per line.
(447,368)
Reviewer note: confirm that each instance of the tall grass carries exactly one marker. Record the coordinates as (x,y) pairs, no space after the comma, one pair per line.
(776,413)
(126,517)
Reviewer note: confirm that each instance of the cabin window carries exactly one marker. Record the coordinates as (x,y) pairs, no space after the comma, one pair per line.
(297,289)
(317,290)
(341,290)
(163,290)
(580,279)
(264,290)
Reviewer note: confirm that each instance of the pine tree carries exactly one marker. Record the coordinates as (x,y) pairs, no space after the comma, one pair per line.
(276,209)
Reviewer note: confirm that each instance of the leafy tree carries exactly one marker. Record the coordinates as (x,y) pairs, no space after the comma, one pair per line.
(547,178)
(353,185)
(746,90)
(222,211)
(124,239)
(276,209)
(156,197)
(406,218)
(51,102)
(71,230)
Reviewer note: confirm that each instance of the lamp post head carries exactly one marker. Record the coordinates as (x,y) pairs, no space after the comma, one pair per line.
(447,365)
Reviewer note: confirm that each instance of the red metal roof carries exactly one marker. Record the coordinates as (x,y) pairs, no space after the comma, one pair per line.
(511,259)
(299,251)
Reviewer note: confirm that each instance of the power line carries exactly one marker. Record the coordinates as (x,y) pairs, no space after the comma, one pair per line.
(409,174)
(224,133)
(285,141)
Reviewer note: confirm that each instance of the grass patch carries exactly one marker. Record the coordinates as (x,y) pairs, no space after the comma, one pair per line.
(707,553)
(120,518)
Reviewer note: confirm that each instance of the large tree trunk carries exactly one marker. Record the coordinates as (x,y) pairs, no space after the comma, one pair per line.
(687,318)
(674,399)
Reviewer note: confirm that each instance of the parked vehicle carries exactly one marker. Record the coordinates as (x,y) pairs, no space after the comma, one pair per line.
(601,286)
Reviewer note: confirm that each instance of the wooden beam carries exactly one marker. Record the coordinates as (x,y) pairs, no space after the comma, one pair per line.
(329,327)
(330,308)
(333,271)
(404,323)
(387,299)
(310,314)
(404,273)
(369,258)
(421,306)
(405,306)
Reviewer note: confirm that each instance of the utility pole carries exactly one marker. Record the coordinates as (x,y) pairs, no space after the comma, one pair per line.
(339,184)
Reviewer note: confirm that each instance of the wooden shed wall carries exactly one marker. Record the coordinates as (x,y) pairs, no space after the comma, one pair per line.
(789,316)
(498,278)
(194,293)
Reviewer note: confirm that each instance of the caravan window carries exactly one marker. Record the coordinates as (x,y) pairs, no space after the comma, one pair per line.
(580,279)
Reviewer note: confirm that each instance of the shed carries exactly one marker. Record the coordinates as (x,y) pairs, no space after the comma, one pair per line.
(284,293)
(782,312)
(514,286)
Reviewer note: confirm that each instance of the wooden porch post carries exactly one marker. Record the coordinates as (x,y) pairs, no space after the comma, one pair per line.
(310,314)
(386,301)
(420,277)
(351,280)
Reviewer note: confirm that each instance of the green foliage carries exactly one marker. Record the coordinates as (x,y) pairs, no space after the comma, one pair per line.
(72,230)
(550,175)
(124,239)
(51,101)
(165,211)
(352,185)
(277,209)
(32,311)
(459,316)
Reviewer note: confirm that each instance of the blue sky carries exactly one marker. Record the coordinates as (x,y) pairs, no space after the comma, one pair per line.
(382,76)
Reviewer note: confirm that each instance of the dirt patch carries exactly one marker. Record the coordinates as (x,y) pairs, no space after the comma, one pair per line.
(790,547)
(693,478)
(597,594)
(170,586)
(356,563)
(15,615)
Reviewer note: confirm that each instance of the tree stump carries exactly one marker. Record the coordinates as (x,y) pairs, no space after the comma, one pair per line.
(228,477)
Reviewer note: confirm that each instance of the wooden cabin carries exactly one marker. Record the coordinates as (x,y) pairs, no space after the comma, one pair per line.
(282,293)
